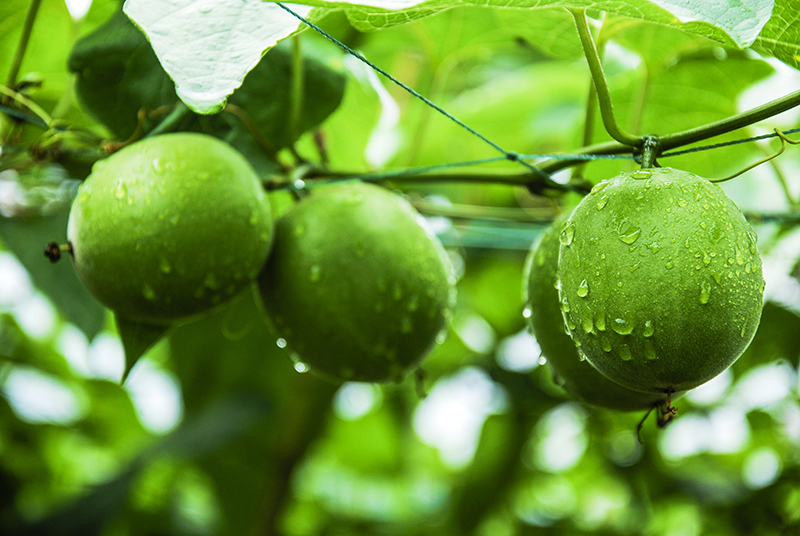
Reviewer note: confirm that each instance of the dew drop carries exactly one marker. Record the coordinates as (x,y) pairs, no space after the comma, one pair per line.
(164,265)
(587,323)
(605,344)
(625,352)
(648,328)
(682,202)
(120,190)
(650,351)
(527,312)
(413,303)
(567,234)
(565,308)
(601,204)
(542,360)
(211,281)
(148,292)
(280,343)
(669,265)
(623,326)
(705,292)
(641,174)
(301,367)
(158,165)
(600,321)
(630,235)
(600,186)
(315,273)
(739,256)
(583,289)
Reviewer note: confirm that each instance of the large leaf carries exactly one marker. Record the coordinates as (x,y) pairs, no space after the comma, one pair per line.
(781,35)
(118,74)
(208,47)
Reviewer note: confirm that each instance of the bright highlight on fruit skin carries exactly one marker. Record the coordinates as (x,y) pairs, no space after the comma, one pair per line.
(355,285)
(169,227)
(576,376)
(661,283)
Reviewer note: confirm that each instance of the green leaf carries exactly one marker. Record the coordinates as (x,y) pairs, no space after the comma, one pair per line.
(778,337)
(137,338)
(27,239)
(736,23)
(117,74)
(781,35)
(209,47)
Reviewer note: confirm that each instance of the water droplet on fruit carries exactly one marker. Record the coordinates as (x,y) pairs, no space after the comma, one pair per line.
(281,343)
(600,321)
(605,344)
(397,291)
(706,258)
(630,234)
(567,234)
(158,165)
(583,289)
(542,360)
(564,305)
(413,303)
(405,325)
(682,202)
(648,328)
(625,352)
(148,292)
(174,219)
(587,323)
(527,312)
(739,256)
(705,292)
(299,184)
(641,174)
(315,273)
(669,265)
(120,190)
(602,202)
(211,281)
(649,351)
(301,367)
(254,219)
(441,336)
(164,266)
(623,326)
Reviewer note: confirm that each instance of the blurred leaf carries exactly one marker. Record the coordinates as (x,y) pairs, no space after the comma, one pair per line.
(27,238)
(494,470)
(18,348)
(777,337)
(137,338)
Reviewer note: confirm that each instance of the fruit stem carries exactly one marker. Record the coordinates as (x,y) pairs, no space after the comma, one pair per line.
(600,83)
(53,250)
(734,122)
(27,28)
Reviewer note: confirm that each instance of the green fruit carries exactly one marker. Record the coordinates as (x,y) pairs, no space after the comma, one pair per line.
(169,227)
(661,283)
(355,285)
(574,374)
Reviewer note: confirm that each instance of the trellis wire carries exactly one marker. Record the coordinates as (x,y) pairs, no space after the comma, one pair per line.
(507,155)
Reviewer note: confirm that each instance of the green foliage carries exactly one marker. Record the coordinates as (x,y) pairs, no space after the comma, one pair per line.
(214,431)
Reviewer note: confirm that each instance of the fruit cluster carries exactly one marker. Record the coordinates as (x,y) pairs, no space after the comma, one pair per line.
(651,287)
(170,227)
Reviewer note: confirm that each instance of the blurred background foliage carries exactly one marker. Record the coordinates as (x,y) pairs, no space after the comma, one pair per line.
(215,432)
